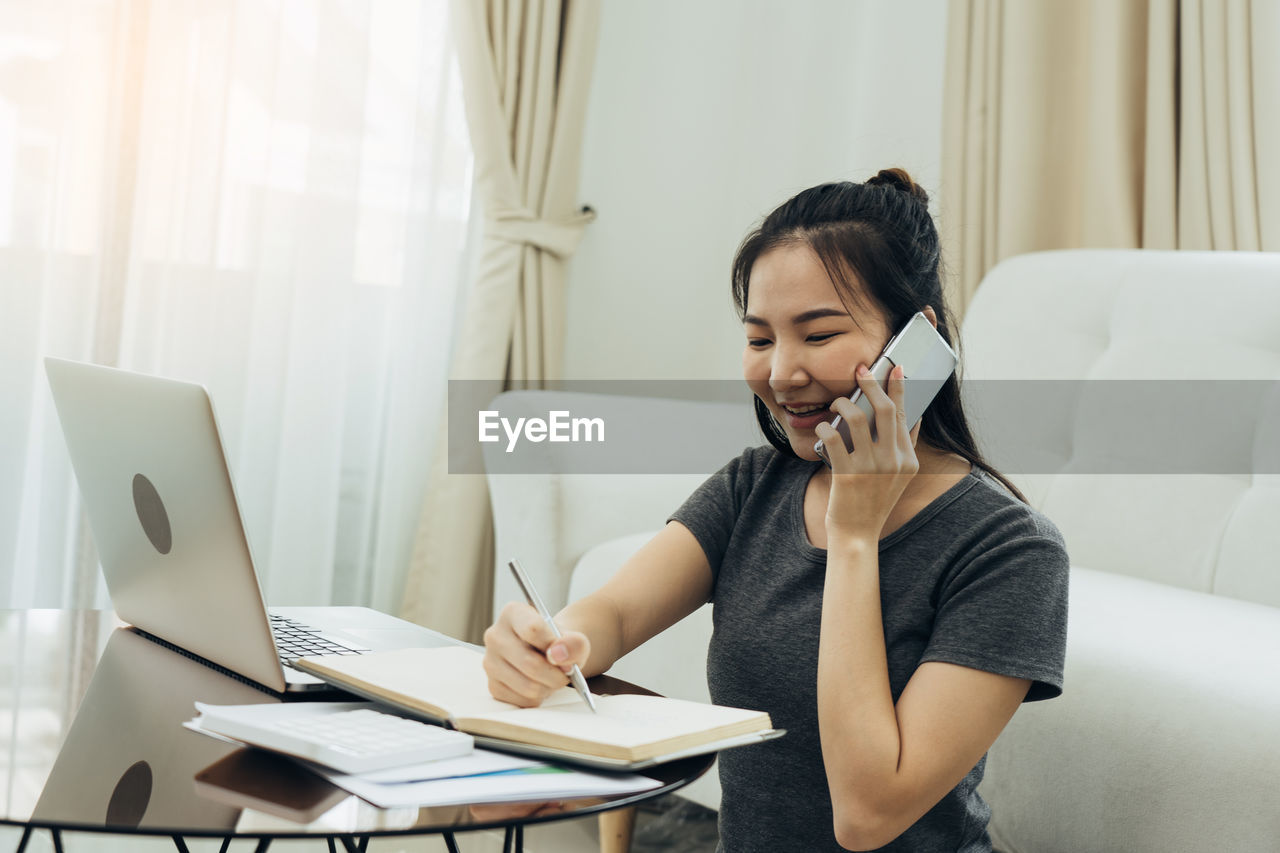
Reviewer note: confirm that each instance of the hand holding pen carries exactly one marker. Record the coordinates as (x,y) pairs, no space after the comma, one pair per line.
(526,656)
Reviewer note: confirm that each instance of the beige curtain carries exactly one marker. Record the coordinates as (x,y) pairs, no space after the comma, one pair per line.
(525,66)
(1105,124)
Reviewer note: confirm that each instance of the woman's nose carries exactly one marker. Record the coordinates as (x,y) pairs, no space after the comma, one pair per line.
(788,369)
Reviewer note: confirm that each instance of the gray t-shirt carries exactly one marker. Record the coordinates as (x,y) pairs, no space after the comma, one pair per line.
(976,578)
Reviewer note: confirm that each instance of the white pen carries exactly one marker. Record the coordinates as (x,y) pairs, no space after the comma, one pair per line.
(531,594)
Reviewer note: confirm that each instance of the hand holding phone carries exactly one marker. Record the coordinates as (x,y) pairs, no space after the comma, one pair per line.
(927,363)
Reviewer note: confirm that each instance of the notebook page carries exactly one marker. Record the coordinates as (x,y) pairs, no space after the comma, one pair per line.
(451,679)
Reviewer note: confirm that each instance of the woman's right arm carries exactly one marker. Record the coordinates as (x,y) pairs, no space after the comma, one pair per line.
(662,583)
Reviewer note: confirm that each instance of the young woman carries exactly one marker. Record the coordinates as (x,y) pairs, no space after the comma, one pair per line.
(890,612)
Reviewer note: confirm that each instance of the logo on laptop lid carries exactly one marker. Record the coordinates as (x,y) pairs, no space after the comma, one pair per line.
(131,796)
(151,512)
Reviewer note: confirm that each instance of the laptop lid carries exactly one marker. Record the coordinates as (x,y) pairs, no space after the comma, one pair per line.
(151,467)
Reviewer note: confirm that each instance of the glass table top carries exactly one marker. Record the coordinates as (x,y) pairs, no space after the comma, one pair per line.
(91,738)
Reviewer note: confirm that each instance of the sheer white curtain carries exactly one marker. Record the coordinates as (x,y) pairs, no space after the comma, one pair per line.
(266,196)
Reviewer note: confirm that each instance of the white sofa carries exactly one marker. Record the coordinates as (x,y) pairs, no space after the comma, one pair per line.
(1167,737)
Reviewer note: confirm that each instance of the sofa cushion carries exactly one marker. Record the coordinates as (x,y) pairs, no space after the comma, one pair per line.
(1161,528)
(1103,315)
(1167,736)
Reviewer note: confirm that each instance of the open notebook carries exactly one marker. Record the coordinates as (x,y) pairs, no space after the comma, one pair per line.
(630,731)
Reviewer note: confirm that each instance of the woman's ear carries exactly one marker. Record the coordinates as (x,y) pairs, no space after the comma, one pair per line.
(929,313)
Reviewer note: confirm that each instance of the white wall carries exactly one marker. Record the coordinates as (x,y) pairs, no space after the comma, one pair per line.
(703,117)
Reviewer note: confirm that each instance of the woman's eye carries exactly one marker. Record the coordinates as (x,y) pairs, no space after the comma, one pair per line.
(760,343)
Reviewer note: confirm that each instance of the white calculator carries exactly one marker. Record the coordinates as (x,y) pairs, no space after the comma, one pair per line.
(351,737)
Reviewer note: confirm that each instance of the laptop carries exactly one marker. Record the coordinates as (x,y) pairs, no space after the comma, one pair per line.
(157,489)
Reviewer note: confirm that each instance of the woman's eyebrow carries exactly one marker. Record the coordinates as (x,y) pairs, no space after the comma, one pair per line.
(802,317)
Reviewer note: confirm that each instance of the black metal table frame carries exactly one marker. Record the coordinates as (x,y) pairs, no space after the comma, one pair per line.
(513,841)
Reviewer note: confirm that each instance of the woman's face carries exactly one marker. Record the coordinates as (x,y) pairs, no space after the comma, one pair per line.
(802,345)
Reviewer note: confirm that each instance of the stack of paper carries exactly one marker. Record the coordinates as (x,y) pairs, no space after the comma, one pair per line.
(482,776)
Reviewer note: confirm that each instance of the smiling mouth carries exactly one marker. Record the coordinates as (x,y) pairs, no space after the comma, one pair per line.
(807,410)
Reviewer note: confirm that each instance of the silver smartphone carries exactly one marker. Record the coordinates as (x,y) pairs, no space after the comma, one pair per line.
(927,362)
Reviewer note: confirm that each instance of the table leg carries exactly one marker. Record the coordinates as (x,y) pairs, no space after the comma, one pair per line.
(26,836)
(450,842)
(513,840)
(181,844)
(615,830)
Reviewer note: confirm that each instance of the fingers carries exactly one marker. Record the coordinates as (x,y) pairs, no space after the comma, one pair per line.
(854,424)
(509,683)
(572,648)
(887,404)
(898,394)
(519,650)
(888,419)
(527,624)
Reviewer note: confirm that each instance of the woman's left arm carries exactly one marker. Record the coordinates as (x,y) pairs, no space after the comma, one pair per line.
(887,764)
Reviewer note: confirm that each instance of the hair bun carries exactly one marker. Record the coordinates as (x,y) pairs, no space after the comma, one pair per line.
(900,180)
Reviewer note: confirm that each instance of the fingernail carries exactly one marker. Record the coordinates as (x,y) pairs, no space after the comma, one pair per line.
(558,654)
(862,370)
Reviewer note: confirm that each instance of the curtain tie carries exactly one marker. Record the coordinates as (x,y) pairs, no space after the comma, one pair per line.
(558,236)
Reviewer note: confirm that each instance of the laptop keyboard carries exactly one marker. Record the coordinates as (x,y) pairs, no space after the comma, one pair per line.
(296,639)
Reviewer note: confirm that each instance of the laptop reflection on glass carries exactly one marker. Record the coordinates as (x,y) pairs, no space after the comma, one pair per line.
(158,493)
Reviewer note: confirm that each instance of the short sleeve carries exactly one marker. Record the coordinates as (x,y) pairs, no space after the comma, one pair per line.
(1005,609)
(712,510)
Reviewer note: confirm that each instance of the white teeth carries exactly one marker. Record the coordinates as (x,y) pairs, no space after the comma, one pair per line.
(807,411)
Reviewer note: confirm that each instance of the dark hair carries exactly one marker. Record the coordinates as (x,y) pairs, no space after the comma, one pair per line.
(882,233)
